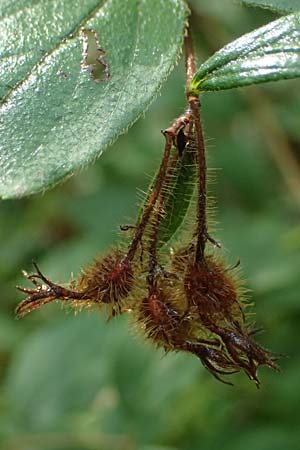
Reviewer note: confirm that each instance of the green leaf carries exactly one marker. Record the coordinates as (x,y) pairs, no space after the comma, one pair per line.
(280,6)
(31,29)
(177,191)
(55,118)
(269,53)
(178,197)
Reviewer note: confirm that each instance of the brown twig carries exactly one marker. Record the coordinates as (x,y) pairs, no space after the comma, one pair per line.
(140,228)
(194,105)
(156,223)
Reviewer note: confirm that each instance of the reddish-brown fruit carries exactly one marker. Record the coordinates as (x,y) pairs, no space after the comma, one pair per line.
(168,323)
(168,326)
(108,280)
(161,320)
(211,291)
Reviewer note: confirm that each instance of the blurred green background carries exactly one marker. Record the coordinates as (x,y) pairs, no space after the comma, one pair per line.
(77,382)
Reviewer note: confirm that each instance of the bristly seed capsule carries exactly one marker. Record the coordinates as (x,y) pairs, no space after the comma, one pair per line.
(185,301)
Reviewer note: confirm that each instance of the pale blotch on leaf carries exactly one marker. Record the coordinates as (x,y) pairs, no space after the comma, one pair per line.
(94,56)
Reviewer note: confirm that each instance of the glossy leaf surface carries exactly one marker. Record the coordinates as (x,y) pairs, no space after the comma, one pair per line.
(269,53)
(54,117)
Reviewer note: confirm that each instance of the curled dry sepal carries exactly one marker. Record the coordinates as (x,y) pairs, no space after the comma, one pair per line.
(182,298)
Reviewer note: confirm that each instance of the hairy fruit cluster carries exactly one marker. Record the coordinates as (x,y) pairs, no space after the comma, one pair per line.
(178,300)
(183,298)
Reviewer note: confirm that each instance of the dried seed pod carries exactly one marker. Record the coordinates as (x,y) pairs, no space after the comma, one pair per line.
(213,290)
(165,319)
(107,281)
(216,304)
(169,327)
(159,316)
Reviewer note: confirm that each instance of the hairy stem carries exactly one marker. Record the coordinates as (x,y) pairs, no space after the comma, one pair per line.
(153,198)
(159,212)
(194,105)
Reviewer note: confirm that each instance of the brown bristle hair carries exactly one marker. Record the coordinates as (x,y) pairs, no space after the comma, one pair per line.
(108,280)
(159,315)
(212,290)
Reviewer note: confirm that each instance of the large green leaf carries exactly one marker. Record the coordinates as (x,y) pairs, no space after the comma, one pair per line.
(55,118)
(269,53)
(281,6)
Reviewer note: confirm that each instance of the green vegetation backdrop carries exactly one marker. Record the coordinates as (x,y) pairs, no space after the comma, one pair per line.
(76,382)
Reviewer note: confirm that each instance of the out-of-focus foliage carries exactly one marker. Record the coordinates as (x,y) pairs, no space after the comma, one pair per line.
(79,383)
